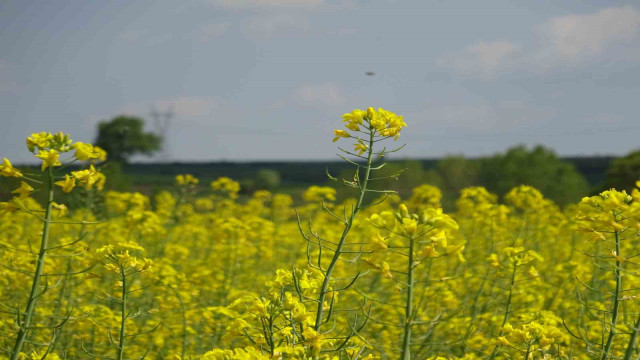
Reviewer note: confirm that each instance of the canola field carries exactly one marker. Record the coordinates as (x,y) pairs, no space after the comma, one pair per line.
(198,273)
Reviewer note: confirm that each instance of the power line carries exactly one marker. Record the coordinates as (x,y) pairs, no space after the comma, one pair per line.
(162,123)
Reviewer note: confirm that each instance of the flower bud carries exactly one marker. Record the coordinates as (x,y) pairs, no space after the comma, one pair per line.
(370,113)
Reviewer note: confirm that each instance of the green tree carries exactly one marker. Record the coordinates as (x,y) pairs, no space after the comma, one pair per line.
(624,172)
(541,168)
(267,179)
(456,173)
(124,136)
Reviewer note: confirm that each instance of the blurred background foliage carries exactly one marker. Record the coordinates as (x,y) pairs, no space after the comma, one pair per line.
(563,180)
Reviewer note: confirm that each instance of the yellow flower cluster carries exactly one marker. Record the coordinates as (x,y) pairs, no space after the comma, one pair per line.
(226,186)
(202,274)
(381,122)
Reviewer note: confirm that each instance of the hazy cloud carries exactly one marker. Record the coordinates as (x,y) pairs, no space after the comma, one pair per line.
(482,58)
(590,34)
(264,4)
(563,41)
(213,30)
(267,26)
(318,95)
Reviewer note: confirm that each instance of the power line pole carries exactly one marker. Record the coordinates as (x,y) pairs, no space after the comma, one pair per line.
(162,123)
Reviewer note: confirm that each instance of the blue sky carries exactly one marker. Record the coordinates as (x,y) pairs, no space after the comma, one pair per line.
(269,79)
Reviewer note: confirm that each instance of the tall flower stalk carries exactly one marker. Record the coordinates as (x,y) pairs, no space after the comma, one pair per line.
(48,148)
(367,128)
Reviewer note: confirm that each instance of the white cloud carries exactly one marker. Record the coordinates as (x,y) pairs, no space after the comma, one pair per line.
(318,95)
(590,34)
(264,4)
(267,26)
(563,41)
(482,58)
(213,30)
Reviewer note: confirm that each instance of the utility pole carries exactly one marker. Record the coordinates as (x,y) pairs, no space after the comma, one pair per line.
(162,123)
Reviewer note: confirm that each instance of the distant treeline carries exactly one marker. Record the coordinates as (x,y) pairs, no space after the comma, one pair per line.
(564,180)
(302,173)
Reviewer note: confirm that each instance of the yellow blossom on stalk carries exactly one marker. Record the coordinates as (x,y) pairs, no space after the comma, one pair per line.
(410,226)
(88,152)
(23,191)
(61,208)
(8,206)
(319,193)
(227,186)
(340,134)
(6,169)
(67,184)
(430,251)
(493,261)
(186,179)
(39,141)
(360,147)
(259,306)
(50,158)
(88,177)
(313,338)
(378,242)
(353,119)
(61,142)
(383,121)
(385,270)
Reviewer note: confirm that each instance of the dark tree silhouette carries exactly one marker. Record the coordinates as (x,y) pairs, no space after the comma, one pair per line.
(124,136)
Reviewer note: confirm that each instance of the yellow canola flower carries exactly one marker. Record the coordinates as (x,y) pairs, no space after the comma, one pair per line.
(410,226)
(493,261)
(61,208)
(67,184)
(361,148)
(226,185)
(6,169)
(340,134)
(23,191)
(40,141)
(386,270)
(319,193)
(186,179)
(383,121)
(430,251)
(8,206)
(88,152)
(50,158)
(89,177)
(355,116)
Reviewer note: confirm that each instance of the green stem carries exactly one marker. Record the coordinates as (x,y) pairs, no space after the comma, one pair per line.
(31,303)
(123,318)
(347,227)
(408,318)
(507,310)
(632,342)
(526,356)
(183,312)
(616,301)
